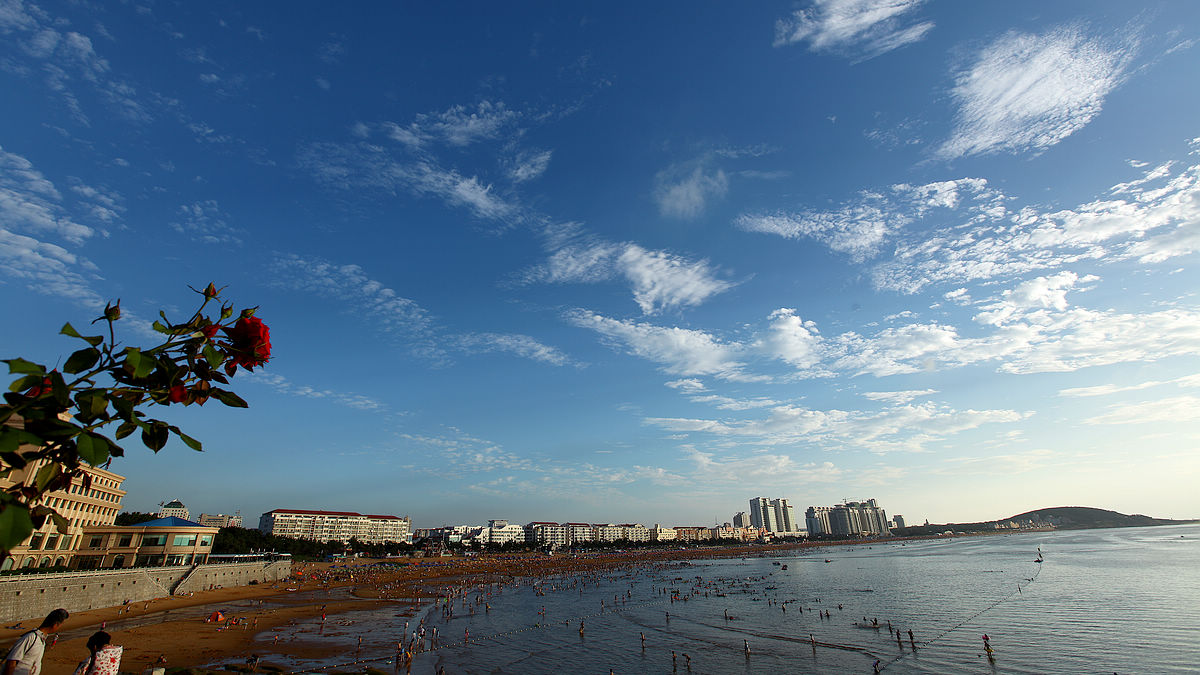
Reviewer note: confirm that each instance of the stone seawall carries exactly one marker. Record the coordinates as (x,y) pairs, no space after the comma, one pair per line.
(34,596)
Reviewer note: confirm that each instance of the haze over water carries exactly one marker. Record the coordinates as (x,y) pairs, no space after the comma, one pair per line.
(1114,600)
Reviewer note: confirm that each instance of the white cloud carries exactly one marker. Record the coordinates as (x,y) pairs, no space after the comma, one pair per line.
(284,386)
(862,28)
(1029,92)
(461,126)
(686,196)
(898,397)
(47,268)
(689,385)
(678,350)
(897,428)
(528,165)
(793,340)
(1173,410)
(660,281)
(521,345)
(30,202)
(860,227)
(205,222)
(350,283)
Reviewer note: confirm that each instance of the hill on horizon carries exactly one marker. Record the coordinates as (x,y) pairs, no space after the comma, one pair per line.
(1070,517)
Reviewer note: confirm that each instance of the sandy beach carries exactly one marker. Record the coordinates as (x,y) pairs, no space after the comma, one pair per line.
(175,628)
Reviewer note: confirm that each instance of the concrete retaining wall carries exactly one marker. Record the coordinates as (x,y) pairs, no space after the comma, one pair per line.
(36,595)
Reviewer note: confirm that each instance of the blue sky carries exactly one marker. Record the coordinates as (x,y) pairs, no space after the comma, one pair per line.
(610,262)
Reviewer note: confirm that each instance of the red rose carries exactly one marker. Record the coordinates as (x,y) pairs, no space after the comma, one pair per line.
(177,394)
(249,343)
(210,331)
(39,389)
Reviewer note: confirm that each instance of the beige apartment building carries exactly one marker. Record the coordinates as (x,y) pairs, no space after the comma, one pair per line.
(91,500)
(335,526)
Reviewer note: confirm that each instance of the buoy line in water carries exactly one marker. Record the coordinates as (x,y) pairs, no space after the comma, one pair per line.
(960,624)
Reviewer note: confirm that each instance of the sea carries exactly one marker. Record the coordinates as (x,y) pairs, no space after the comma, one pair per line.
(1123,600)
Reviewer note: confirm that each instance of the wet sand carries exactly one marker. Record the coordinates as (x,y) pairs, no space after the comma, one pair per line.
(175,627)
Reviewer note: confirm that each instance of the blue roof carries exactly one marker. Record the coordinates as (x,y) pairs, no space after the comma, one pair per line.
(170,521)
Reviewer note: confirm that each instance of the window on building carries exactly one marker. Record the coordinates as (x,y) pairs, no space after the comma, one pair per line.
(206,540)
(35,544)
(96,542)
(66,543)
(126,540)
(184,540)
(154,540)
(51,541)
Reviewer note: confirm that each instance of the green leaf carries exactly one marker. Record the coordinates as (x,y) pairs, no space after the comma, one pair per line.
(161,327)
(70,331)
(22,366)
(214,357)
(82,360)
(92,402)
(26,383)
(140,364)
(46,474)
(15,525)
(93,448)
(60,523)
(155,435)
(125,429)
(229,398)
(191,442)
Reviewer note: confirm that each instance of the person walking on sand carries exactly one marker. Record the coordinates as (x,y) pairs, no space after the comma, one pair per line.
(25,657)
(105,658)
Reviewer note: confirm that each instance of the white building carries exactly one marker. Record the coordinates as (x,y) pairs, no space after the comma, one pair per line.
(660,533)
(608,532)
(635,532)
(501,532)
(173,509)
(580,533)
(548,534)
(336,526)
(773,515)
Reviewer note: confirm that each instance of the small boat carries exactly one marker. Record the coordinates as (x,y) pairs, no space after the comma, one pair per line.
(828,560)
(784,567)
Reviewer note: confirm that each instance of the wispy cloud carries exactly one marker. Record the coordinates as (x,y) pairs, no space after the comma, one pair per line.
(898,428)
(898,397)
(528,165)
(284,386)
(1110,389)
(860,227)
(860,29)
(679,351)
(31,202)
(660,281)
(47,268)
(1028,92)
(683,191)
(205,222)
(520,345)
(1172,410)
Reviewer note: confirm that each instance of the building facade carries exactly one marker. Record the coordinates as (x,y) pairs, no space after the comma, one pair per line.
(335,526)
(548,534)
(173,509)
(851,519)
(155,543)
(220,520)
(91,500)
(773,515)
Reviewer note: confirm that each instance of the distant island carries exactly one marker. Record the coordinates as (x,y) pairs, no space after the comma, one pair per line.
(1057,518)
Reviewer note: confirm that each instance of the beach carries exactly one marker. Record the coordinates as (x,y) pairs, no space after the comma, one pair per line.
(175,629)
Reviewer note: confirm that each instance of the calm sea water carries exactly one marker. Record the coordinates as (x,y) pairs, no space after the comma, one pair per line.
(1104,601)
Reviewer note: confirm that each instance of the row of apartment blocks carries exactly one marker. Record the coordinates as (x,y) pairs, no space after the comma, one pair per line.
(555,535)
(336,526)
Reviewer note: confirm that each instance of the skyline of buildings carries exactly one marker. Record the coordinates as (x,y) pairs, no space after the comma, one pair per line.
(848,519)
